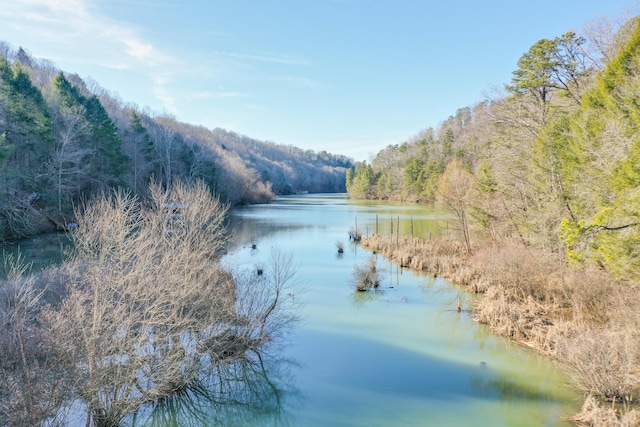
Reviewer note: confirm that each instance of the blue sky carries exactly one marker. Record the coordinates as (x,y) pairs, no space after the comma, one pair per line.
(345,76)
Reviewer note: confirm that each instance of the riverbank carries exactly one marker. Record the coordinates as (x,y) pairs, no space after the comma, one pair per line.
(580,317)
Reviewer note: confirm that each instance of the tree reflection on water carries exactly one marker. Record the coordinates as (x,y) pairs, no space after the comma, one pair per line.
(255,390)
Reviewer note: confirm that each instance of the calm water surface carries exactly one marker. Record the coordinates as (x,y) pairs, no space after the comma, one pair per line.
(38,252)
(402,356)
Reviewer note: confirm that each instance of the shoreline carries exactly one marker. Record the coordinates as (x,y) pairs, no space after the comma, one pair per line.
(582,318)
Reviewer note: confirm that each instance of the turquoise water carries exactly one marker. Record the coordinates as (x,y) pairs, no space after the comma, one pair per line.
(402,355)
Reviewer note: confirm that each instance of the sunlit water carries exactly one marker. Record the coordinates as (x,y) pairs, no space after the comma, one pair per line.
(401,356)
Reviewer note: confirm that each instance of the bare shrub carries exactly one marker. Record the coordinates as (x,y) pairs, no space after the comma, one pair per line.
(32,380)
(148,305)
(367,276)
(603,363)
(624,311)
(524,270)
(590,294)
(355,234)
(593,413)
(266,306)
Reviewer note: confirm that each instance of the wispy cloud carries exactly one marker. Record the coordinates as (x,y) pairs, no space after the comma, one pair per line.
(79,22)
(277,58)
(302,81)
(161,92)
(75,32)
(219,95)
(211,81)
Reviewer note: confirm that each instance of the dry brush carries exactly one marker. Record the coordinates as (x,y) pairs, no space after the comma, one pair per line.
(580,316)
(143,308)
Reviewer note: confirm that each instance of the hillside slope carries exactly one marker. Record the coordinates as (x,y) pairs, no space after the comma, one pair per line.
(63,139)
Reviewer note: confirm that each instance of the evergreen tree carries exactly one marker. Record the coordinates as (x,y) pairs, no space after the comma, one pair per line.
(361,181)
(596,153)
(27,144)
(107,164)
(27,124)
(5,151)
(141,150)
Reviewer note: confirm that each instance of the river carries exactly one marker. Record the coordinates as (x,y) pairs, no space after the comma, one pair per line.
(403,355)
(399,356)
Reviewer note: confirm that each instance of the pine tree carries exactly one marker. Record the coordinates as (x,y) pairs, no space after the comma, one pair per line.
(107,163)
(27,124)
(597,156)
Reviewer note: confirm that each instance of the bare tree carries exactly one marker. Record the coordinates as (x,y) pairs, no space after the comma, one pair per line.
(149,307)
(605,36)
(454,191)
(164,136)
(68,163)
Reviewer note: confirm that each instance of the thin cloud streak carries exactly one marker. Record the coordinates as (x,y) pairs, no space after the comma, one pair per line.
(76,25)
(279,59)
(302,81)
(219,95)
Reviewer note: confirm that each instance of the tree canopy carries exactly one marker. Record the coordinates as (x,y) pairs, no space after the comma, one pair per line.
(554,160)
(66,139)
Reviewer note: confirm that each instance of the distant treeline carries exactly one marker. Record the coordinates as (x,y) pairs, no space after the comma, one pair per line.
(551,160)
(63,139)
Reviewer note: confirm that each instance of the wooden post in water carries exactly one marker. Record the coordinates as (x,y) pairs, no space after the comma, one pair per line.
(411,218)
(376,224)
(398,232)
(391,234)
(355,234)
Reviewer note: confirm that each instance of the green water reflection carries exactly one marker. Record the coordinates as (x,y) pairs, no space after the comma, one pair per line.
(402,355)
(39,251)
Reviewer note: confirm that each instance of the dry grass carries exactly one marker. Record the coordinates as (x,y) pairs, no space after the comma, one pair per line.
(593,413)
(604,363)
(367,276)
(440,257)
(580,316)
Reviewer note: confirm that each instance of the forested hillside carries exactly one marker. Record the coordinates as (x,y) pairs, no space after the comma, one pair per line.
(63,139)
(551,160)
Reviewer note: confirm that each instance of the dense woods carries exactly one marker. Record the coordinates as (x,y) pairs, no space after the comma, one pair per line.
(550,160)
(63,138)
(541,180)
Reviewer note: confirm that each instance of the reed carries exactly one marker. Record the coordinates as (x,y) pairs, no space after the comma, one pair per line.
(580,316)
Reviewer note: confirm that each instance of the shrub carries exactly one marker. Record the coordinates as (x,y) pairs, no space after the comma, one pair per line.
(140,311)
(594,414)
(355,234)
(367,276)
(604,363)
